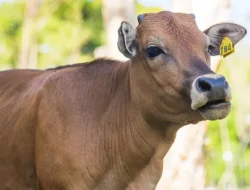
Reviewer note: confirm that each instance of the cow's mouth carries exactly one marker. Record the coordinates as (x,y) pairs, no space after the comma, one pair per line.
(214,104)
(217,109)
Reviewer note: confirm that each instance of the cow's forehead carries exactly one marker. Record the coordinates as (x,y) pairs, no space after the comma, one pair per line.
(166,18)
(165,24)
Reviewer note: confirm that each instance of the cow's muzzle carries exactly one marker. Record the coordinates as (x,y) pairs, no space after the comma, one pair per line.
(211,95)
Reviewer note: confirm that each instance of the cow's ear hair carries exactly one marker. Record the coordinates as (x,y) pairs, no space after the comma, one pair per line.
(127,40)
(218,32)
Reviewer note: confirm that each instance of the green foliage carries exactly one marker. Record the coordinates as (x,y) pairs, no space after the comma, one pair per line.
(10,29)
(142,9)
(68,27)
(233,133)
(93,22)
(65,31)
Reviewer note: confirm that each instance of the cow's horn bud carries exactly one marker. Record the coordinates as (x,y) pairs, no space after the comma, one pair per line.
(192,15)
(140,18)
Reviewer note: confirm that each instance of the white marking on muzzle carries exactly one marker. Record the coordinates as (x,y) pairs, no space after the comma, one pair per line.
(199,99)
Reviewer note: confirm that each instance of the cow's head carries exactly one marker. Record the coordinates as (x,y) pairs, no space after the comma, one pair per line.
(174,54)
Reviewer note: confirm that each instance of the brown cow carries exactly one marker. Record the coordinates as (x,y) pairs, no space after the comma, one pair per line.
(106,125)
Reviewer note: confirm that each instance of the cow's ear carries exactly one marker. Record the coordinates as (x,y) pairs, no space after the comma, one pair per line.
(127,40)
(218,32)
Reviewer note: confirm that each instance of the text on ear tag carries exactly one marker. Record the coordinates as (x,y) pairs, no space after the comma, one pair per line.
(226,47)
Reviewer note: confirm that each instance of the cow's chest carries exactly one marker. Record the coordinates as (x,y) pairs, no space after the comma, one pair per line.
(140,177)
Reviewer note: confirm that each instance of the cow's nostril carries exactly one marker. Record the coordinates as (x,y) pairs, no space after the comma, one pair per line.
(226,85)
(204,85)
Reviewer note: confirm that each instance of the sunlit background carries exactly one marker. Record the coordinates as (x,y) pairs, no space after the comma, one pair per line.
(39,34)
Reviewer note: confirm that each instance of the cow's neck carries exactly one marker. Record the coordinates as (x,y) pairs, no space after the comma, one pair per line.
(147,97)
(141,138)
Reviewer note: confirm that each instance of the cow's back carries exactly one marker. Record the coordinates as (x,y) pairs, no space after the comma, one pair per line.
(18,103)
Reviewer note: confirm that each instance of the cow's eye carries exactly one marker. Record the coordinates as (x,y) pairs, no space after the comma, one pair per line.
(153,51)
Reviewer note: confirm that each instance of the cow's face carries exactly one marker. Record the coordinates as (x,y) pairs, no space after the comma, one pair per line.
(175,54)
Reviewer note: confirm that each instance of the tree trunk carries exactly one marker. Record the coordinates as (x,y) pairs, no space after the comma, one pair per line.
(114,12)
(28,35)
(184,164)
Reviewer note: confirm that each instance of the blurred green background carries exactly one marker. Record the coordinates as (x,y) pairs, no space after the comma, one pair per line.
(39,34)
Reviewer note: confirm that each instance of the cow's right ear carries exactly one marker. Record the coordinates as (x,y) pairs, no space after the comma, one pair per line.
(127,40)
(218,32)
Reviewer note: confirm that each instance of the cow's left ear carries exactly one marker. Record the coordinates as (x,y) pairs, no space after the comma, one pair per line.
(218,32)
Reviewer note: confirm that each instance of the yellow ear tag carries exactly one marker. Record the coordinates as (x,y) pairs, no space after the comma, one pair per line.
(226,47)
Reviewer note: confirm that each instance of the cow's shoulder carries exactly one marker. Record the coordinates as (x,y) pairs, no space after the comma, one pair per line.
(87,74)
(84,87)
